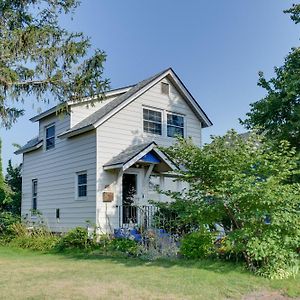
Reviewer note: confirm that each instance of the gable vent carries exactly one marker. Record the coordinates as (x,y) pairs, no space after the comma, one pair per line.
(165,88)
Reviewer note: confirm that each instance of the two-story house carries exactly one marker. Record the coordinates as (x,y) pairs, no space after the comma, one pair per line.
(100,163)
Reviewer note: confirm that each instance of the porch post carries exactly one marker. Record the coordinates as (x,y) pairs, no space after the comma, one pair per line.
(119,193)
(146,182)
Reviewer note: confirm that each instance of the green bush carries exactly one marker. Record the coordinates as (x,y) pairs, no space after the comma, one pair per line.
(76,238)
(127,246)
(198,244)
(7,219)
(40,243)
(34,238)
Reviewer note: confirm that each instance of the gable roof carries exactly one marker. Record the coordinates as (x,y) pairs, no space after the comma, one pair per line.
(135,153)
(101,115)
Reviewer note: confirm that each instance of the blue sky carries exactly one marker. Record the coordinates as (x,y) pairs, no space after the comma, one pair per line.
(216,48)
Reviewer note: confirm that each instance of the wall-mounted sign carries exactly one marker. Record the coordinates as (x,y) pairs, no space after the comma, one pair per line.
(108,196)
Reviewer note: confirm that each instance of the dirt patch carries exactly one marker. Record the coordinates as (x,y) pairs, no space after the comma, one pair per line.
(267,295)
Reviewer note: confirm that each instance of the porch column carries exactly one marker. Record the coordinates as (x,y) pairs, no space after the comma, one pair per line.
(146,182)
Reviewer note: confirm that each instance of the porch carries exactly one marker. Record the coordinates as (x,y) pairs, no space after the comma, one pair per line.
(139,170)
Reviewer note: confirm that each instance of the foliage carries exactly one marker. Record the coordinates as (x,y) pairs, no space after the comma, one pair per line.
(5,192)
(176,217)
(244,185)
(278,114)
(39,58)
(7,219)
(34,238)
(76,238)
(123,245)
(198,244)
(158,244)
(13,179)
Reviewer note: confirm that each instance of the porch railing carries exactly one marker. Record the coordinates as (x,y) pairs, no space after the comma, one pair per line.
(134,215)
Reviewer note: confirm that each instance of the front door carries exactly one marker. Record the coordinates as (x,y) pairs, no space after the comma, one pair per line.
(129,187)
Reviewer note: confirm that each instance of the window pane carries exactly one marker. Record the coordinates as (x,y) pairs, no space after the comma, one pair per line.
(152,115)
(175,120)
(34,204)
(34,188)
(50,143)
(50,131)
(152,127)
(82,179)
(82,191)
(174,131)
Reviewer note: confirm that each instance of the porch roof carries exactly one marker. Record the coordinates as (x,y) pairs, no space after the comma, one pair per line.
(140,153)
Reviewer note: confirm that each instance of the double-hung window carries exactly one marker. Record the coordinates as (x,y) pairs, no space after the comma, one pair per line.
(34,195)
(50,137)
(152,121)
(175,125)
(81,185)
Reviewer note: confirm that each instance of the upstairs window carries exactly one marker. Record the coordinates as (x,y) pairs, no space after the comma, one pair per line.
(165,88)
(175,125)
(50,137)
(34,195)
(152,121)
(81,184)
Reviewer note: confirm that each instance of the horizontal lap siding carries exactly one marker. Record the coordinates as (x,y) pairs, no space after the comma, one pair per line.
(81,111)
(126,128)
(56,173)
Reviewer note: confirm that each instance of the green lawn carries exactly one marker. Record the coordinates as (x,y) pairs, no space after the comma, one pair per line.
(32,275)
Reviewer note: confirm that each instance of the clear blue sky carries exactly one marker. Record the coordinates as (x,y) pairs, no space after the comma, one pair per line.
(216,48)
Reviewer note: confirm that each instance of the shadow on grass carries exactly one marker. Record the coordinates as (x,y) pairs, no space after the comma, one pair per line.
(213,265)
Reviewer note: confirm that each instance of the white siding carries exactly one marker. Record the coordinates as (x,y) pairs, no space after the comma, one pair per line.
(81,110)
(126,128)
(55,171)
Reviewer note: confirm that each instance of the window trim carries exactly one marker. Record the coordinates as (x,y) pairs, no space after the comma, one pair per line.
(184,125)
(77,197)
(54,136)
(34,195)
(155,122)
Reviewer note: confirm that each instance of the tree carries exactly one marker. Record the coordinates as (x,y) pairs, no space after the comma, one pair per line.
(278,114)
(13,179)
(244,186)
(5,192)
(40,59)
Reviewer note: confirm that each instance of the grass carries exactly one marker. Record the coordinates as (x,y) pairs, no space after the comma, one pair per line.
(33,275)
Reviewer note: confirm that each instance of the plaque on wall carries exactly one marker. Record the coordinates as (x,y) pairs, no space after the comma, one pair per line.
(108,196)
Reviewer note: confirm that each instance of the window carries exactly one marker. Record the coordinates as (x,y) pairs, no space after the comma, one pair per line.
(165,88)
(50,137)
(152,121)
(34,195)
(57,213)
(81,184)
(175,125)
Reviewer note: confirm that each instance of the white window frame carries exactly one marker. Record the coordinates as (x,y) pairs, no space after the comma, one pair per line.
(184,125)
(77,197)
(54,136)
(34,195)
(161,123)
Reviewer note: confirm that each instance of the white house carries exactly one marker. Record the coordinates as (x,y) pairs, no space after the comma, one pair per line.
(101,163)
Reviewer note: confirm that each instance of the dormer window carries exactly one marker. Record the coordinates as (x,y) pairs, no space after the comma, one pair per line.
(165,88)
(50,137)
(152,121)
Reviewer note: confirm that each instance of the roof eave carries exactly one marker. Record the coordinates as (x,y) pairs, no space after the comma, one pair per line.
(21,151)
(54,109)
(76,132)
